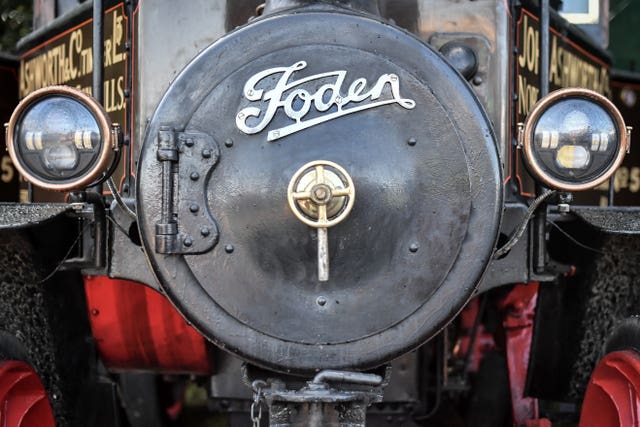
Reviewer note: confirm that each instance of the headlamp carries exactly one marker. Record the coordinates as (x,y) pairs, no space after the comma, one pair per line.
(574,139)
(60,138)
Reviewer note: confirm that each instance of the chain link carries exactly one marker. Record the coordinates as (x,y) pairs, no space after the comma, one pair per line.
(258,399)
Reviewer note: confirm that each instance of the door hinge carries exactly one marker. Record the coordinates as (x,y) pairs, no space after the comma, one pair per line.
(185,225)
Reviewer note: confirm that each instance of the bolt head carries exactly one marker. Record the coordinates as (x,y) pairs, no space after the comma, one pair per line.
(194,176)
(320,193)
(188,241)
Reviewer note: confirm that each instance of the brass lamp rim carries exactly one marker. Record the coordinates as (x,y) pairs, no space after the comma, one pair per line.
(105,156)
(532,119)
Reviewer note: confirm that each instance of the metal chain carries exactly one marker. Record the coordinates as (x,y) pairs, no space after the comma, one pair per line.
(258,399)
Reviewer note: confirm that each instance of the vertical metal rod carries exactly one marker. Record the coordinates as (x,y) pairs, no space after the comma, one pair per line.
(98,50)
(442,347)
(100,229)
(323,233)
(540,220)
(612,182)
(540,239)
(544,47)
(129,105)
(323,254)
(166,210)
(98,62)
(316,415)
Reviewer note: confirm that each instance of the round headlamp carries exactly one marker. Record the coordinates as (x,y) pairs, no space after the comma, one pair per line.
(60,138)
(574,139)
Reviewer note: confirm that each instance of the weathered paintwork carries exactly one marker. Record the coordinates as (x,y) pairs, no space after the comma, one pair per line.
(407,240)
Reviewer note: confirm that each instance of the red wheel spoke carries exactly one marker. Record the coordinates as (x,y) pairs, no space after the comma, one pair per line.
(612,397)
(23,399)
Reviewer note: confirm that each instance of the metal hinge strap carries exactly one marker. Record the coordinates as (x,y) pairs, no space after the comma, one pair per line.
(167,227)
(185,159)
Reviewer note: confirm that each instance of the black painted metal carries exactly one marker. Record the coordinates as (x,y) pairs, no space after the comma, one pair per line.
(332,398)
(99,233)
(187,160)
(126,257)
(611,193)
(127,187)
(89,252)
(544,47)
(513,267)
(98,51)
(98,63)
(19,215)
(540,220)
(318,405)
(422,228)
(462,57)
(614,220)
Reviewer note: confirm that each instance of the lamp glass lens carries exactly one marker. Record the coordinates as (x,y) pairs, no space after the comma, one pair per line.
(58,139)
(575,140)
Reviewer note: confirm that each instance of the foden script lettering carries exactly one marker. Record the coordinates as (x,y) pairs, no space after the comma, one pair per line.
(296,101)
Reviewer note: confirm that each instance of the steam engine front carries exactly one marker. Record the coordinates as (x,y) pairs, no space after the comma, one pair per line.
(318,192)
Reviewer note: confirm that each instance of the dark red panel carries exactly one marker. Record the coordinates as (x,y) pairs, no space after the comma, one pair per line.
(135,327)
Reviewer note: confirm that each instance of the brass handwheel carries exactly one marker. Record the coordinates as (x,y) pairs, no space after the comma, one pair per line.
(321,194)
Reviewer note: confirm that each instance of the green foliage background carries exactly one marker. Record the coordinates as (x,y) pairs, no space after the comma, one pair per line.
(624,42)
(16,17)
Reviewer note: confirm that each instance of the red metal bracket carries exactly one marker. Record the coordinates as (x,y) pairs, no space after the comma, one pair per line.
(520,307)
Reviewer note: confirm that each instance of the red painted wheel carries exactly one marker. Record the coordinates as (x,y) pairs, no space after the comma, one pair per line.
(23,399)
(613,394)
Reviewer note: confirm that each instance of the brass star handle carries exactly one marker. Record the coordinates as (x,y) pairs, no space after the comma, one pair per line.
(321,195)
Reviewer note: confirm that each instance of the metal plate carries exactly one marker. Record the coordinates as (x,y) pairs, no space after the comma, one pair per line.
(19,215)
(425,217)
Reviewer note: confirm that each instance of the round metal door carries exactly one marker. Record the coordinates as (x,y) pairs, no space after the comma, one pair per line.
(319,190)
